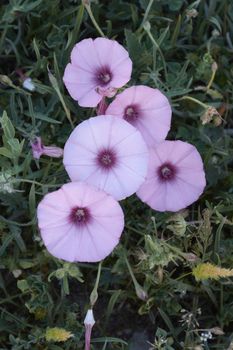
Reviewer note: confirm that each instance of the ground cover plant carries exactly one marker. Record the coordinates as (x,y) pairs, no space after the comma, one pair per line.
(167,284)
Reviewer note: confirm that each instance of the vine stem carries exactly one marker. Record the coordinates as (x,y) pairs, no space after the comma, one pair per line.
(156,45)
(89,319)
(146,14)
(193,100)
(94,293)
(35,182)
(90,13)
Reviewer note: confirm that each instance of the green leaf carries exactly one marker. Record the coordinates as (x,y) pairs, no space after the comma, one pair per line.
(55,85)
(6,242)
(167,321)
(8,128)
(176,31)
(78,23)
(16,232)
(27,264)
(32,200)
(218,236)
(15,147)
(6,152)
(113,300)
(23,285)
(133,45)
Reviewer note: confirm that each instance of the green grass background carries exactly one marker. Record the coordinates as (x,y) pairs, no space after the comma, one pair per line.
(173,45)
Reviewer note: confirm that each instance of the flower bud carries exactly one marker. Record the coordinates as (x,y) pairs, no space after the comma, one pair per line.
(192,13)
(89,322)
(28,84)
(5,80)
(147,26)
(216,331)
(38,149)
(141,293)
(190,257)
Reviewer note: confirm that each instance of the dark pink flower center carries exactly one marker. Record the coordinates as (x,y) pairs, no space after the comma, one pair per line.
(106,159)
(103,76)
(80,216)
(167,172)
(131,113)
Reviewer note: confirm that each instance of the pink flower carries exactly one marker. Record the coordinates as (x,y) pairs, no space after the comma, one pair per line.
(145,108)
(80,223)
(175,176)
(38,149)
(89,322)
(98,67)
(108,153)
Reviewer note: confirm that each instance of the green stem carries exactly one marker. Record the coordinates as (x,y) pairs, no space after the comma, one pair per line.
(8,300)
(90,13)
(134,230)
(221,305)
(193,100)
(211,79)
(182,276)
(141,293)
(157,47)
(146,14)
(94,293)
(135,282)
(35,182)
(29,223)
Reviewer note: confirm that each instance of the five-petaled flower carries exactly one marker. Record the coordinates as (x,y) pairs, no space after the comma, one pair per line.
(175,177)
(98,68)
(145,108)
(80,223)
(109,153)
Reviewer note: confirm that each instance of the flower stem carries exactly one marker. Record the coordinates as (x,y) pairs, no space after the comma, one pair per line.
(11,222)
(94,293)
(102,106)
(214,69)
(88,337)
(35,182)
(146,14)
(193,100)
(156,45)
(141,293)
(90,13)
(135,282)
(89,320)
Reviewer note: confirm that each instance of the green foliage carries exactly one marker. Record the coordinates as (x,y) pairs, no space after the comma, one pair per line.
(146,285)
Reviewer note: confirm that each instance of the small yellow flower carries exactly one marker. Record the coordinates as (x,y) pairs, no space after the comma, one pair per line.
(57,334)
(206,270)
